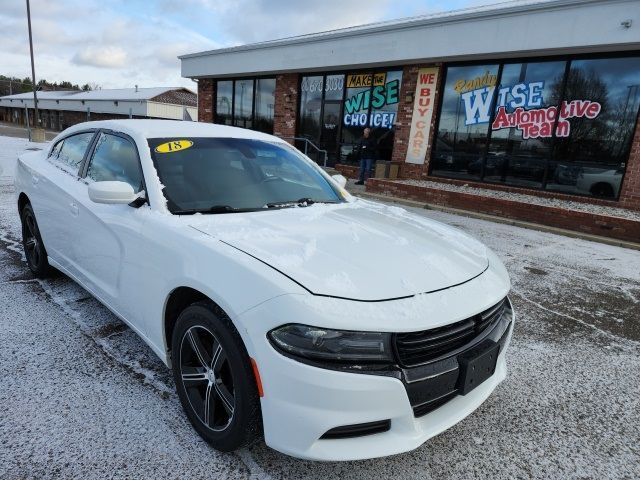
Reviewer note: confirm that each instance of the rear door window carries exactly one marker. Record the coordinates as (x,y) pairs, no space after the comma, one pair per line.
(116,159)
(55,151)
(73,149)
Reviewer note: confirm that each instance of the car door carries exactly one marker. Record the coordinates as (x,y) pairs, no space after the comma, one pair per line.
(109,245)
(53,196)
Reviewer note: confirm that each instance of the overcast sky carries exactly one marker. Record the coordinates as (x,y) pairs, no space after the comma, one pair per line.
(120,43)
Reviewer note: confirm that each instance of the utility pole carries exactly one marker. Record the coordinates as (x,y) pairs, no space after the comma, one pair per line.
(33,71)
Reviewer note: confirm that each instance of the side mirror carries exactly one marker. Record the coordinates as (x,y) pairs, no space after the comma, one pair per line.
(111,192)
(340,180)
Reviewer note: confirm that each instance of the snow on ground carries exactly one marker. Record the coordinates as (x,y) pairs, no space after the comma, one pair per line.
(82,396)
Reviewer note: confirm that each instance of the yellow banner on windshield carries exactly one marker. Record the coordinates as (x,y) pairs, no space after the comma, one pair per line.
(173,146)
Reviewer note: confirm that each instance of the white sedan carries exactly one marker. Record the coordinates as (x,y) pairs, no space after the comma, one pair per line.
(338,328)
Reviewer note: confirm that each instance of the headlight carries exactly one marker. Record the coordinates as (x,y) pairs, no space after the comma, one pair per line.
(326,345)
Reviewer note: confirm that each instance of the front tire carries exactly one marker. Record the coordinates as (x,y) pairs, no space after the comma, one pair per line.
(214,378)
(34,250)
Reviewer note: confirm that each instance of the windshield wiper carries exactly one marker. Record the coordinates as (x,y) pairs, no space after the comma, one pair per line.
(214,209)
(301,201)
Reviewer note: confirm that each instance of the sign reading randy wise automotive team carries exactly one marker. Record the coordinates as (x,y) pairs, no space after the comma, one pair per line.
(422,113)
(520,106)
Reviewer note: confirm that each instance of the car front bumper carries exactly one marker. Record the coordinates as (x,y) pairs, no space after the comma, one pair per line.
(302,402)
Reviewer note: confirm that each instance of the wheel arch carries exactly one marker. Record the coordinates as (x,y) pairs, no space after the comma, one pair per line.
(22,201)
(179,299)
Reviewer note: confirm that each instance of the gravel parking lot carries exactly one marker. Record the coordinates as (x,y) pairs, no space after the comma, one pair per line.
(83,397)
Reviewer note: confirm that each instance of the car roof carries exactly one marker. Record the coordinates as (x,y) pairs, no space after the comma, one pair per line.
(172,129)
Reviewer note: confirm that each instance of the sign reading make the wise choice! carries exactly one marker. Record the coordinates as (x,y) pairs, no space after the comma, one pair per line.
(381,95)
(423,106)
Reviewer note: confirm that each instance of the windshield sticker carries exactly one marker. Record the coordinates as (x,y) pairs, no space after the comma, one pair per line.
(173,146)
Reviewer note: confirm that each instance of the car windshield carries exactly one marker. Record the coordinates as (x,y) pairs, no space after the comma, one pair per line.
(226,175)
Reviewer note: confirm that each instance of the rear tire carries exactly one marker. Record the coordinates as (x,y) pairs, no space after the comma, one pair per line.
(32,243)
(602,190)
(214,378)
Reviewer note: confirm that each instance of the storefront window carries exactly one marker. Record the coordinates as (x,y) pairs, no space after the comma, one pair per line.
(384,111)
(516,156)
(243,103)
(332,106)
(334,87)
(371,101)
(463,131)
(310,107)
(356,106)
(246,103)
(224,102)
(601,101)
(265,101)
(563,125)
(336,108)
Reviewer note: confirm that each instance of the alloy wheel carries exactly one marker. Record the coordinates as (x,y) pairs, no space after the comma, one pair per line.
(206,375)
(32,246)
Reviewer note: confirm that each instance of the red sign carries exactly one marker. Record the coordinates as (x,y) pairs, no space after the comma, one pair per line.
(538,122)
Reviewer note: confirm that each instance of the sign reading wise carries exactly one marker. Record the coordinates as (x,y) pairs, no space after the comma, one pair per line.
(423,106)
(356,106)
(520,106)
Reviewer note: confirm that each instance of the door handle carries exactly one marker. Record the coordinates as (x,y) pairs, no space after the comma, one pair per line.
(73,207)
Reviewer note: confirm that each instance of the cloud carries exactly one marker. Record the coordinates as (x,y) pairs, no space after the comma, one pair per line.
(245,21)
(104,57)
(120,43)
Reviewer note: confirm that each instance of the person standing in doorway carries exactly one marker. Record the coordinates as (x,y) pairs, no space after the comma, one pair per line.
(367,152)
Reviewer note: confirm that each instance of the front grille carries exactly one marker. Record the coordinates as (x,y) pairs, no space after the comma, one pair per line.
(417,348)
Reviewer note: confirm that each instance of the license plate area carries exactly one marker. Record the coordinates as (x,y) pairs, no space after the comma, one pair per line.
(477,365)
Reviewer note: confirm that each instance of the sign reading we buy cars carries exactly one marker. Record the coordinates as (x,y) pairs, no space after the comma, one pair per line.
(422,112)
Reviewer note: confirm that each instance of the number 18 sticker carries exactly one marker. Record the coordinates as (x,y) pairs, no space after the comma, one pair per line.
(173,146)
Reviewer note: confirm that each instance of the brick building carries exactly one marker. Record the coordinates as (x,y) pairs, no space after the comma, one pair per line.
(539,98)
(58,110)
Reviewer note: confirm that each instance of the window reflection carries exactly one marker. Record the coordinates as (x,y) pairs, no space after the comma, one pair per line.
(591,159)
(464,121)
(265,102)
(243,104)
(310,106)
(562,125)
(224,102)
(246,103)
(511,158)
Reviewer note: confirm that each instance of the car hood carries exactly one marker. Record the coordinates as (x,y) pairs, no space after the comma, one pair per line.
(359,250)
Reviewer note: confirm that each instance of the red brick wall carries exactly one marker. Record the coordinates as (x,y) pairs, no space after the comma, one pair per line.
(349,171)
(403,123)
(528,191)
(206,100)
(285,111)
(630,191)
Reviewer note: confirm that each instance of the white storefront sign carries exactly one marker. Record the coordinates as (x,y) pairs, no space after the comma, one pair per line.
(423,106)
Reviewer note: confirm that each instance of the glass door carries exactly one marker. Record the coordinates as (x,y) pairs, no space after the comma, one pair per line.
(331,130)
